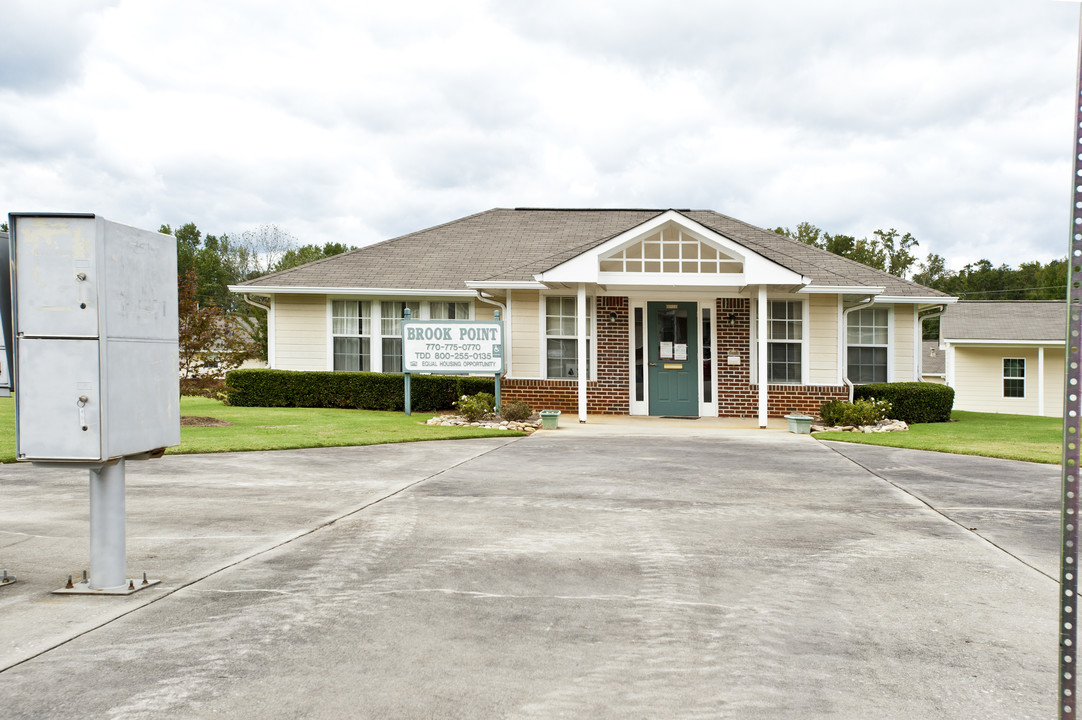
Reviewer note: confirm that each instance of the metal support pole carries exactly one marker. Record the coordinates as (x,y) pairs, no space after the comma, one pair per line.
(405,373)
(108,555)
(496,316)
(1072,415)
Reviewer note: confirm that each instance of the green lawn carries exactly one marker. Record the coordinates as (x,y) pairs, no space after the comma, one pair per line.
(282,428)
(1013,437)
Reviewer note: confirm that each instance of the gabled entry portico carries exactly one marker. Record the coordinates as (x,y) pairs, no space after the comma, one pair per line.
(694,262)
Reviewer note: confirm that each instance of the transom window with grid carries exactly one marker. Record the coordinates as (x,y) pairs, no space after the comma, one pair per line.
(670,251)
(867,339)
(561,341)
(785,340)
(351,329)
(1014,377)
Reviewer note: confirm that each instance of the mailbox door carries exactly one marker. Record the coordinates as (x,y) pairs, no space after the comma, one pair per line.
(53,422)
(56,280)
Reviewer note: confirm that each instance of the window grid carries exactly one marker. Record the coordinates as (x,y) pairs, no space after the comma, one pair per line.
(351,328)
(1014,377)
(561,336)
(391,316)
(785,334)
(670,251)
(867,337)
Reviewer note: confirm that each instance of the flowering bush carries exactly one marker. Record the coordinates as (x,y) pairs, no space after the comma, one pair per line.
(860,412)
(475,407)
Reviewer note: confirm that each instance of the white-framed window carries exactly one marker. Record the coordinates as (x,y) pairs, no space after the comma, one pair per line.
(439,310)
(1014,377)
(867,340)
(351,332)
(784,341)
(561,336)
(391,314)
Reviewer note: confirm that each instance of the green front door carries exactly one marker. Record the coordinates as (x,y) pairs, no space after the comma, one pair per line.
(673,359)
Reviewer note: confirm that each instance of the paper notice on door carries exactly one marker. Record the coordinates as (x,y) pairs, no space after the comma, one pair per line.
(680,351)
(665,351)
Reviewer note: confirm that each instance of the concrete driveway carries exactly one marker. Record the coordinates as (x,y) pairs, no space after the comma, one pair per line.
(732,574)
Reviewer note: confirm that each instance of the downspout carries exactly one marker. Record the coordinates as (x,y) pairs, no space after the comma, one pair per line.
(503,319)
(845,344)
(920,332)
(265,308)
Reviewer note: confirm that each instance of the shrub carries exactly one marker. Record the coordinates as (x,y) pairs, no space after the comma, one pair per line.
(356,390)
(913,402)
(517,411)
(474,407)
(858,412)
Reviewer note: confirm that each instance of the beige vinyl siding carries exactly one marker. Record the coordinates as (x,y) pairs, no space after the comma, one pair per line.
(1053,381)
(823,336)
(903,343)
(484,311)
(525,334)
(300,332)
(978,380)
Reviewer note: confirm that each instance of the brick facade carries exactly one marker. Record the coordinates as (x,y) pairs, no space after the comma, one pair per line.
(737,395)
(609,394)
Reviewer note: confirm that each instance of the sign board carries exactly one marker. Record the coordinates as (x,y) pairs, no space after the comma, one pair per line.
(452,347)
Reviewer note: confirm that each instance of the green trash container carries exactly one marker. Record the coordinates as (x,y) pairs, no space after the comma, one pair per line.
(550,419)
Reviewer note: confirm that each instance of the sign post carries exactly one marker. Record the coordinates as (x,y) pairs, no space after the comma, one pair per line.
(452,347)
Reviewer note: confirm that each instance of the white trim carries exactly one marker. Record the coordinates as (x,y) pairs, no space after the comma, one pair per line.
(914,300)
(841,290)
(383,292)
(1003,378)
(1004,343)
(638,407)
(505,285)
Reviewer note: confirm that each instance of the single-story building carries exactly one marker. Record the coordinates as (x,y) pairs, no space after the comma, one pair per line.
(641,312)
(1006,356)
(933,366)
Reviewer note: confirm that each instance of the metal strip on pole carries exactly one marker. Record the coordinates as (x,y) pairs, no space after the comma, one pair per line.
(1072,388)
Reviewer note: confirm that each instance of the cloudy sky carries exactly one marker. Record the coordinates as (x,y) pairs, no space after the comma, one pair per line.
(356,121)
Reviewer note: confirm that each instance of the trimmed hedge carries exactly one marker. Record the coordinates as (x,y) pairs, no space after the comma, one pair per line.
(356,390)
(913,402)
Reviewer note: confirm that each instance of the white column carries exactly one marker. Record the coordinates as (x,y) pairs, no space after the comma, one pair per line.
(1040,380)
(918,345)
(580,316)
(761,344)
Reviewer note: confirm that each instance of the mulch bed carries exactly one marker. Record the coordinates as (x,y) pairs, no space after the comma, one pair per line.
(199,421)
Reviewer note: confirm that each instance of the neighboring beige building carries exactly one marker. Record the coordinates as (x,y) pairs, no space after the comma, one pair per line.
(641,312)
(1006,356)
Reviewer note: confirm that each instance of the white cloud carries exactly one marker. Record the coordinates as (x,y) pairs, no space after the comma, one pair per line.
(361,121)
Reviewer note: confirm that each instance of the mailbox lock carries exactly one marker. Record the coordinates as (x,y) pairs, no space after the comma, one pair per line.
(81,277)
(83,399)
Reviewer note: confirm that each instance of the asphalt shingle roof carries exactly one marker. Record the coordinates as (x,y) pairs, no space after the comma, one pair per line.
(1035,320)
(515,245)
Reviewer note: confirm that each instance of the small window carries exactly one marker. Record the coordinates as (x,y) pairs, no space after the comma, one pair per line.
(867,344)
(449,310)
(391,314)
(351,328)
(1014,377)
(561,341)
(785,334)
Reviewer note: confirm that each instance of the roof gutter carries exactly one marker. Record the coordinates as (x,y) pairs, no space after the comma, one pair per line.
(845,356)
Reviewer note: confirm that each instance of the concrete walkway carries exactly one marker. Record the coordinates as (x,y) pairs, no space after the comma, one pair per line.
(581,572)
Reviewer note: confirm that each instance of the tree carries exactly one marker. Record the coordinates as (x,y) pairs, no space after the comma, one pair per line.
(309,253)
(885,250)
(896,251)
(211,342)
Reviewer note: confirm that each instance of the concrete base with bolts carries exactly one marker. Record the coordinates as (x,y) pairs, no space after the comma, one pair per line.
(6,579)
(83,588)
